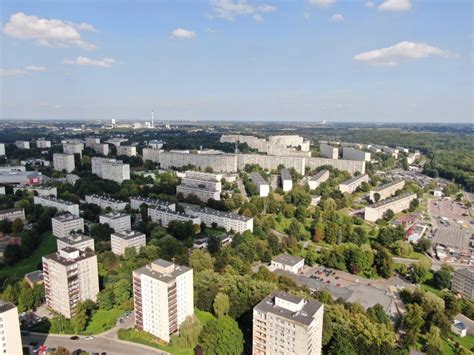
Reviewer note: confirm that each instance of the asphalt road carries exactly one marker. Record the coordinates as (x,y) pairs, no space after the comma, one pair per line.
(98,344)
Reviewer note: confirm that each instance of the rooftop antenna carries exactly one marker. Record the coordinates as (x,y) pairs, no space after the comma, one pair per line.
(152,119)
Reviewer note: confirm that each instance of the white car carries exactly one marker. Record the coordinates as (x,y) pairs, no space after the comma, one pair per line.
(90,337)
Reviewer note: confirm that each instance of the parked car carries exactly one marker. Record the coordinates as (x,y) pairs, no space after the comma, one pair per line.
(89,337)
(74,337)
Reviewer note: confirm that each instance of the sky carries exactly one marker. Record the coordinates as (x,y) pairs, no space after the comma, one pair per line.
(227,60)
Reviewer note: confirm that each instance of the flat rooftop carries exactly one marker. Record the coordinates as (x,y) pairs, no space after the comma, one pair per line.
(319,175)
(207,210)
(258,179)
(66,217)
(129,234)
(468,273)
(285,174)
(287,259)
(114,215)
(152,201)
(105,198)
(173,270)
(61,258)
(354,179)
(454,237)
(54,199)
(386,186)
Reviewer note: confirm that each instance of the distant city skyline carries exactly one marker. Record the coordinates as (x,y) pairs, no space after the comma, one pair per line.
(237,60)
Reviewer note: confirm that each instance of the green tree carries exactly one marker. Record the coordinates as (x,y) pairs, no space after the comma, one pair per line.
(402,248)
(378,314)
(412,321)
(201,260)
(221,304)
(442,279)
(433,341)
(388,215)
(383,262)
(17,226)
(189,332)
(60,351)
(25,299)
(221,336)
(340,344)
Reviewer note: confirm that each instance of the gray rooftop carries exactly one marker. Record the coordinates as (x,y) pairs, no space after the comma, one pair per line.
(129,234)
(354,179)
(319,175)
(453,237)
(386,186)
(285,174)
(214,212)
(151,270)
(57,257)
(114,215)
(151,201)
(390,200)
(258,179)
(35,276)
(74,239)
(66,217)
(468,273)
(287,259)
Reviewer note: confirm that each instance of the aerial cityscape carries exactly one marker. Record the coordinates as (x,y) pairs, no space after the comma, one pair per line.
(236,177)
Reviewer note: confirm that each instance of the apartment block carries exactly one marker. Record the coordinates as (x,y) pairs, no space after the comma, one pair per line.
(318,179)
(386,190)
(329,151)
(21,177)
(12,213)
(287,324)
(110,169)
(42,143)
(63,162)
(73,147)
(355,154)
(22,144)
(202,185)
(65,224)
(352,166)
(2,149)
(227,220)
(396,204)
(77,240)
(351,185)
(105,202)
(272,162)
(412,157)
(61,205)
(119,222)
(70,277)
(262,186)
(137,201)
(286,180)
(163,297)
(226,163)
(391,151)
(129,151)
(37,190)
(164,216)
(152,154)
(463,283)
(10,335)
(127,239)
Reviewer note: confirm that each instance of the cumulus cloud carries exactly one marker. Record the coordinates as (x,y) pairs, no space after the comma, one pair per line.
(21,71)
(336,18)
(103,63)
(369,4)
(48,32)
(392,56)
(181,33)
(322,3)
(230,9)
(395,5)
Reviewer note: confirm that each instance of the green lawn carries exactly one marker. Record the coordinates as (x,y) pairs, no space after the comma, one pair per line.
(447,348)
(415,255)
(103,320)
(24,266)
(467,341)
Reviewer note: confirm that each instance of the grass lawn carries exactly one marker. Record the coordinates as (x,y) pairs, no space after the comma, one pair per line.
(283,225)
(203,316)
(24,266)
(447,348)
(466,342)
(415,255)
(103,320)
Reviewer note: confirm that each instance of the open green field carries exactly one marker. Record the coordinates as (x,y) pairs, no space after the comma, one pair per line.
(24,266)
(466,342)
(103,320)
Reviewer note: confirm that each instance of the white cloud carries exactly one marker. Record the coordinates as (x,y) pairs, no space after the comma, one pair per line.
(322,3)
(369,4)
(181,33)
(21,71)
(103,63)
(48,32)
(395,5)
(228,9)
(392,56)
(336,18)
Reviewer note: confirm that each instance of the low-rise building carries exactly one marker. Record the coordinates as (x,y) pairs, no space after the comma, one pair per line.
(227,220)
(453,244)
(61,205)
(22,144)
(287,324)
(65,224)
(286,180)
(10,339)
(110,169)
(329,151)
(288,262)
(34,278)
(72,179)
(63,162)
(463,283)
(77,240)
(351,185)
(355,154)
(38,190)
(21,177)
(386,190)
(262,186)
(119,222)
(12,213)
(105,202)
(127,239)
(318,179)
(164,216)
(459,328)
(396,204)
(137,201)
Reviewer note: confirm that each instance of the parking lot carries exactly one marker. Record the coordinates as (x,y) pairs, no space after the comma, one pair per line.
(448,212)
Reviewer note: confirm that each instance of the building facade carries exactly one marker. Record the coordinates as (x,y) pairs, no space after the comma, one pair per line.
(127,239)
(386,190)
(22,144)
(73,148)
(119,222)
(165,216)
(318,179)
(355,154)
(76,240)
(61,205)
(137,201)
(65,224)
(202,185)
(286,180)
(41,143)
(12,213)
(396,204)
(227,220)
(38,190)
(110,169)
(105,202)
(129,151)
(260,183)
(329,151)
(21,177)
(10,336)
(351,185)
(291,263)
(463,283)
(63,162)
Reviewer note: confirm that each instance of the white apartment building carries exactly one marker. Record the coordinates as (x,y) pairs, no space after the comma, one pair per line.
(203,185)
(287,324)
(73,148)
(63,162)
(355,154)
(127,239)
(137,201)
(412,157)
(351,185)
(329,151)
(396,204)
(12,213)
(152,154)
(463,283)
(61,205)
(163,297)
(104,202)
(10,335)
(317,179)
(41,143)
(287,262)
(286,180)
(386,190)
(22,144)
(76,240)
(391,151)
(262,186)
(70,277)
(38,190)
(129,151)
(63,225)
(119,222)
(164,216)
(227,220)
(2,149)
(110,169)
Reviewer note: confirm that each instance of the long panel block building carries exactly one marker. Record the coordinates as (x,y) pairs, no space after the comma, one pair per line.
(202,185)
(396,204)
(386,190)
(110,169)
(229,221)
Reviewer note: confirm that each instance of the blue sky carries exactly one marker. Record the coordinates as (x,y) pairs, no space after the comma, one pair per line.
(298,60)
